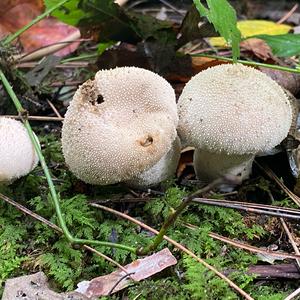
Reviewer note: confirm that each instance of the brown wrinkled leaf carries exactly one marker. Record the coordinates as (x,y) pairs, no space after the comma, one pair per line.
(258,47)
(138,270)
(15,14)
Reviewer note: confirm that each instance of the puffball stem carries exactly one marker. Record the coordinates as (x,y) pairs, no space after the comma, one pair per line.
(53,193)
(210,165)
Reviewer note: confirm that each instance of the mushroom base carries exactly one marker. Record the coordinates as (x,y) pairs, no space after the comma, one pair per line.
(165,168)
(212,165)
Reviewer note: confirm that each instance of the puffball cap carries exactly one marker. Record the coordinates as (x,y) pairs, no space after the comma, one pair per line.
(17,153)
(119,125)
(233,109)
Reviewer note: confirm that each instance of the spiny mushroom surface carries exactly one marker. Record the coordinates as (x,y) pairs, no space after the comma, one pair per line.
(119,125)
(234,112)
(17,153)
(165,168)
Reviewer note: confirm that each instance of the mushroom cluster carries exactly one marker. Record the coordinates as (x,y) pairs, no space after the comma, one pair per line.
(229,113)
(121,127)
(17,153)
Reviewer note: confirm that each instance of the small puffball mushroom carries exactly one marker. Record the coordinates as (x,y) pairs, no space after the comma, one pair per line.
(229,113)
(119,125)
(17,153)
(165,168)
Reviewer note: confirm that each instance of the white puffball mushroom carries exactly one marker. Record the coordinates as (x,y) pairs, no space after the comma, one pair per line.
(119,125)
(165,168)
(229,113)
(17,153)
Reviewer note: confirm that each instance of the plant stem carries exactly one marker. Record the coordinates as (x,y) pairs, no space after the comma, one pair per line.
(13,36)
(53,193)
(80,57)
(250,63)
(173,216)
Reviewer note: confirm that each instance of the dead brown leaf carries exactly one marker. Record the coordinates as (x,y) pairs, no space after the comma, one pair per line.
(258,47)
(137,271)
(17,13)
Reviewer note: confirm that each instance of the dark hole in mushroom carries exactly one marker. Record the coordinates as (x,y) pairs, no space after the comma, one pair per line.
(97,100)
(100,99)
(147,142)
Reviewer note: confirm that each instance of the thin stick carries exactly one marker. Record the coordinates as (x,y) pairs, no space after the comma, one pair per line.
(293,294)
(44,51)
(107,258)
(166,3)
(250,63)
(252,248)
(66,83)
(54,109)
(291,239)
(23,113)
(178,246)
(275,211)
(37,118)
(285,17)
(55,227)
(60,66)
(13,36)
(273,176)
(30,213)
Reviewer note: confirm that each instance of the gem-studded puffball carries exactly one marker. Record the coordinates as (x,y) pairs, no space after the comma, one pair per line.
(234,109)
(119,125)
(17,153)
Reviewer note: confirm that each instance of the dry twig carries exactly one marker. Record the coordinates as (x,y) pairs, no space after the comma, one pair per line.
(286,16)
(271,210)
(252,248)
(54,109)
(273,176)
(291,239)
(38,118)
(293,295)
(179,246)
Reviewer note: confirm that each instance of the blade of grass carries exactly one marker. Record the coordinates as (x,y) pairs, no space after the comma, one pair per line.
(68,235)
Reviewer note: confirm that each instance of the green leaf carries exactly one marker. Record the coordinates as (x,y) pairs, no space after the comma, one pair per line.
(223,16)
(68,13)
(284,45)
